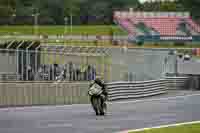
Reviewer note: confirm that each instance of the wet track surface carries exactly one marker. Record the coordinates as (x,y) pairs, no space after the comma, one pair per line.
(81,118)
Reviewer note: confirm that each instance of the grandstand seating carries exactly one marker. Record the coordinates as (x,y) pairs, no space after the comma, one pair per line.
(194,26)
(125,24)
(155,24)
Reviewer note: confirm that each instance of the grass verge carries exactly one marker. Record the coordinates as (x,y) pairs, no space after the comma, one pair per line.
(191,128)
(54,30)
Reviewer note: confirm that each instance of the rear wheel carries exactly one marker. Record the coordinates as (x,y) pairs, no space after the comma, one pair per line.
(103,108)
(96,104)
(99,107)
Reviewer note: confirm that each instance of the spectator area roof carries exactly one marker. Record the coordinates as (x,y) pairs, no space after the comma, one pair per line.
(68,50)
(21,45)
(78,50)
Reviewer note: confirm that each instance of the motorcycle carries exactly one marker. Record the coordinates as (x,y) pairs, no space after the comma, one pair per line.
(95,93)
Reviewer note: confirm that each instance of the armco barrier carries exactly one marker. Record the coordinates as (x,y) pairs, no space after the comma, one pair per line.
(126,90)
(177,83)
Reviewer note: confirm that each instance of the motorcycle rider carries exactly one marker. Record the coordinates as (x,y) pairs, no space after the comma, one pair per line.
(104,94)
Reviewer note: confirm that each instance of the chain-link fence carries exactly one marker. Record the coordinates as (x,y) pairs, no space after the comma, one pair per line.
(52,63)
(33,62)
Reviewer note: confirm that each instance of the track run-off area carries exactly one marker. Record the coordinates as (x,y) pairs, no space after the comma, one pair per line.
(121,116)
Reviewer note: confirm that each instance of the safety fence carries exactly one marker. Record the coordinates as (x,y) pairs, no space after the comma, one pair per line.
(60,93)
(175,83)
(30,61)
(127,90)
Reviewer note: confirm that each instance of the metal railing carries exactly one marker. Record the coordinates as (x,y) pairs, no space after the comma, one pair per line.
(139,89)
(51,65)
(128,90)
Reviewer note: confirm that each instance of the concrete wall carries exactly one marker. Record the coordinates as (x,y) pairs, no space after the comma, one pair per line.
(20,94)
(8,62)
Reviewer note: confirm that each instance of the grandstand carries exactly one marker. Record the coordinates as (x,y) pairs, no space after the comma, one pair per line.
(158,26)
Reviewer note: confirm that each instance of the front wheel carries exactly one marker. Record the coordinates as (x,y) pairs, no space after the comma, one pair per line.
(93,103)
(96,104)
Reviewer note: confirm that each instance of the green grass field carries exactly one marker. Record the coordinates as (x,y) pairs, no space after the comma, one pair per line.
(192,128)
(78,30)
(53,30)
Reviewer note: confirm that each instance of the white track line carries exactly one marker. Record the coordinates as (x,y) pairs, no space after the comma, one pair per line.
(163,126)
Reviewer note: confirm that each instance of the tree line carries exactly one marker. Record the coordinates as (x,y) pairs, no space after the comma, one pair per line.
(53,12)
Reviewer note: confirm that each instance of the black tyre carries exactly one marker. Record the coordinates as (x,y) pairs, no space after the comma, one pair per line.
(96,105)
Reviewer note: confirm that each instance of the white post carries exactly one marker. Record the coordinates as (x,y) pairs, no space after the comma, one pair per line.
(71,21)
(66,22)
(71,27)
(28,59)
(36,59)
(35,15)
(18,56)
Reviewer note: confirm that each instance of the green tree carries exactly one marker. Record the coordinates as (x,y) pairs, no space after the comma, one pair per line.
(159,6)
(168,6)
(192,6)
(71,7)
(82,11)
(7,7)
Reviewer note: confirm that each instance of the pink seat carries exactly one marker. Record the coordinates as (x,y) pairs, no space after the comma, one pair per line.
(166,26)
(195,26)
(163,25)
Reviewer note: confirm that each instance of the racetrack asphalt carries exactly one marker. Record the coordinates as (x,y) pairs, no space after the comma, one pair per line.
(81,118)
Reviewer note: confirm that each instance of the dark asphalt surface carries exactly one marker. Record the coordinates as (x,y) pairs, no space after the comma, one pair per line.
(81,118)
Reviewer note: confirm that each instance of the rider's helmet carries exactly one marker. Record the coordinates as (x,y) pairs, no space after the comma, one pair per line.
(98,80)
